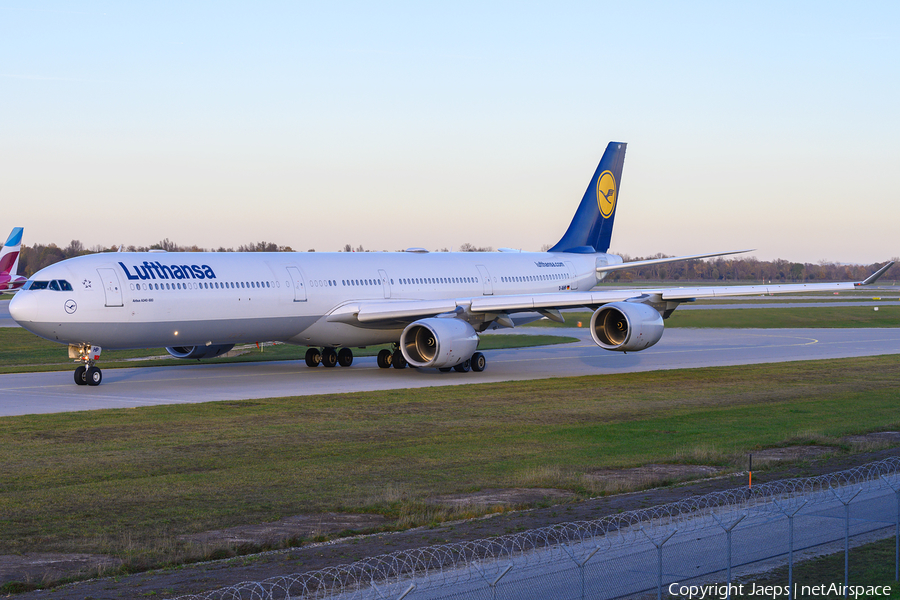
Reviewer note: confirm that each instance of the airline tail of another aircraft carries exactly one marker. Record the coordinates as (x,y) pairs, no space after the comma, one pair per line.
(9,255)
(591,229)
(9,262)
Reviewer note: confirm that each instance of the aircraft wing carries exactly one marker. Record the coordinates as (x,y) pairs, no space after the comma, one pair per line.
(383,312)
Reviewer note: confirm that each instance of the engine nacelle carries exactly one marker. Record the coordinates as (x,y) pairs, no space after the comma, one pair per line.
(438,342)
(626,326)
(199,351)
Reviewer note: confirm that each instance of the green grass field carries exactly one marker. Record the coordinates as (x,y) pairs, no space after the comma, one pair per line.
(869,565)
(128,482)
(22,352)
(764,318)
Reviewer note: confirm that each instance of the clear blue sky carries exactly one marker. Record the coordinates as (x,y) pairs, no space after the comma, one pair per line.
(769,125)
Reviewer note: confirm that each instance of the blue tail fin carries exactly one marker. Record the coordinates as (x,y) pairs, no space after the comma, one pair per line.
(591,228)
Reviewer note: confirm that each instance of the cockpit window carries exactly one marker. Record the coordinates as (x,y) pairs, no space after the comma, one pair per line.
(57,285)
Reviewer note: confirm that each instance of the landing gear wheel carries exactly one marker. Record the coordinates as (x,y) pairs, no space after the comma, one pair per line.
(94,376)
(479,362)
(329,357)
(313,357)
(445,369)
(81,375)
(385,358)
(398,360)
(464,366)
(345,357)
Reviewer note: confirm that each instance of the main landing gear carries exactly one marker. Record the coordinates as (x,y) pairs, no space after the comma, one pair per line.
(388,359)
(87,373)
(329,357)
(477,363)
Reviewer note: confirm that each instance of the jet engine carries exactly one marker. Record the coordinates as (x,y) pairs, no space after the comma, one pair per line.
(198,352)
(438,342)
(626,326)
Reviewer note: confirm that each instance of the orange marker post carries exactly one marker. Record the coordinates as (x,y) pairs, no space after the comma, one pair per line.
(750,474)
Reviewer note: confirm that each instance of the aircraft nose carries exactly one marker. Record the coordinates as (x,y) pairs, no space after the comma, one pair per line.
(23,307)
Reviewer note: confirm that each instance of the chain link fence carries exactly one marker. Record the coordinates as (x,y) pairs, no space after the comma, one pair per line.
(663,549)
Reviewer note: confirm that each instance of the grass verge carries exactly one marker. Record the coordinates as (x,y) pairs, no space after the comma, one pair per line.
(128,483)
(764,318)
(869,565)
(24,352)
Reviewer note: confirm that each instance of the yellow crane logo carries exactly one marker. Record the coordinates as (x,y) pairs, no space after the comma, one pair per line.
(606,194)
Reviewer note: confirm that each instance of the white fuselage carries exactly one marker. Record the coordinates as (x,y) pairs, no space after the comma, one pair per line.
(158,299)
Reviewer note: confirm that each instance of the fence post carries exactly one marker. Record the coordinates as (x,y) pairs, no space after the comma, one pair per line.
(659,546)
(493,584)
(896,530)
(790,517)
(846,535)
(496,581)
(411,587)
(728,536)
(581,564)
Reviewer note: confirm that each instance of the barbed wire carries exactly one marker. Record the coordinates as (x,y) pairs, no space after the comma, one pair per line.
(446,564)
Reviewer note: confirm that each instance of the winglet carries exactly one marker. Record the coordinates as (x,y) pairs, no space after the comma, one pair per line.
(874,276)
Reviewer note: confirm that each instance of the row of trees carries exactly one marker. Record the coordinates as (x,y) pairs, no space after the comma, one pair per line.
(747,270)
(36,257)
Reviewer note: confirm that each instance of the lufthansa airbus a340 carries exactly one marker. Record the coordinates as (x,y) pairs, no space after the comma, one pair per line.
(430,306)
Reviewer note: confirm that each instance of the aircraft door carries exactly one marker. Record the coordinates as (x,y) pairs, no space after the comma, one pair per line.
(572,276)
(111,287)
(486,278)
(385,282)
(297,283)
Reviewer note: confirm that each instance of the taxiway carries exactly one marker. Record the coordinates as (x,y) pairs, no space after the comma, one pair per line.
(31,393)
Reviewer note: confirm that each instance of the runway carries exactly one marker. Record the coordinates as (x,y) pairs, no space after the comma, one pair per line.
(32,393)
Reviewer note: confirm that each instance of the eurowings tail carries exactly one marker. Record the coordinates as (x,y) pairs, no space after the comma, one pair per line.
(9,261)
(591,229)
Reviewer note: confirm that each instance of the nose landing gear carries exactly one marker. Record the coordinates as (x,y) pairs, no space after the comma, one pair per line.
(86,373)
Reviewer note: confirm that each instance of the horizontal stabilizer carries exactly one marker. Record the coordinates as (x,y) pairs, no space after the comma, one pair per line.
(874,276)
(660,261)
